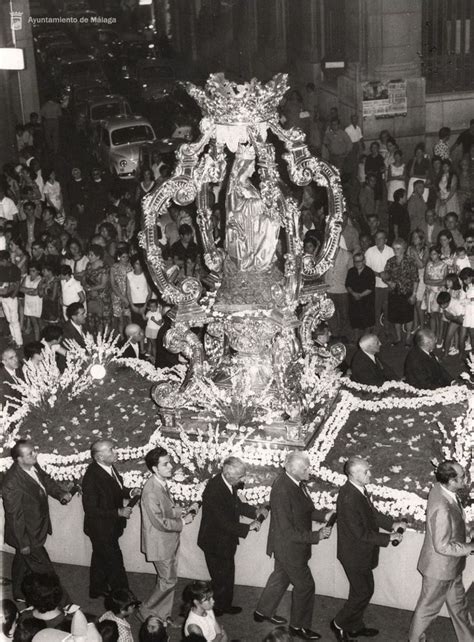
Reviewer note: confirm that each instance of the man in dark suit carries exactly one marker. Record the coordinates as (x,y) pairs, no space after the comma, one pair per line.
(221,529)
(366,367)
(105,518)
(422,368)
(358,543)
(9,370)
(290,539)
(74,326)
(134,335)
(27,523)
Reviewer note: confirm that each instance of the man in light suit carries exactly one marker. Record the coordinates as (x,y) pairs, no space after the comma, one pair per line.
(443,557)
(162,523)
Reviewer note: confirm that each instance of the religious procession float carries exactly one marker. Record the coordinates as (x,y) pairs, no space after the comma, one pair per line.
(252,382)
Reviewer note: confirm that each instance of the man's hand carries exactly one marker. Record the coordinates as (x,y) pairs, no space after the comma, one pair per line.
(262,512)
(188,518)
(255,526)
(325,532)
(194,507)
(396,537)
(135,491)
(25,551)
(66,498)
(125,512)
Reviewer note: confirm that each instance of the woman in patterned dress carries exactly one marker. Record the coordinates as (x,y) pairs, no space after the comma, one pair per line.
(401,276)
(118,282)
(96,282)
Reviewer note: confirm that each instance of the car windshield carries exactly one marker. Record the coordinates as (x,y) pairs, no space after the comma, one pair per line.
(132,134)
(156,73)
(107,110)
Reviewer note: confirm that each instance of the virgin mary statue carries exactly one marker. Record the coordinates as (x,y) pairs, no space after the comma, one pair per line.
(251,234)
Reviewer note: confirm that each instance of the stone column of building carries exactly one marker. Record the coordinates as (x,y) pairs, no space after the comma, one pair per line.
(383,40)
(304,20)
(18,89)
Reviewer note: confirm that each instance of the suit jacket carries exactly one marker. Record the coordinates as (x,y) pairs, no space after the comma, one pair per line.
(358,523)
(27,521)
(290,535)
(102,496)
(425,372)
(5,388)
(161,522)
(434,235)
(220,528)
(444,550)
(365,371)
(129,353)
(70,332)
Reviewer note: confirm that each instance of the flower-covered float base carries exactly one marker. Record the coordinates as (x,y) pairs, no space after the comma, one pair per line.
(397,428)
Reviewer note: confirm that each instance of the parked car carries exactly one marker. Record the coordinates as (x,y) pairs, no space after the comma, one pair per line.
(149,79)
(119,142)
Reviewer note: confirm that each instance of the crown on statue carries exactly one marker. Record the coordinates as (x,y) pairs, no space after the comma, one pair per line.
(245,152)
(226,102)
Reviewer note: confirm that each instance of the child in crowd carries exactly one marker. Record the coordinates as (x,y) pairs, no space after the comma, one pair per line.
(108,631)
(452,285)
(120,604)
(198,602)
(153,630)
(453,315)
(461,260)
(33,302)
(435,274)
(467,279)
(71,289)
(154,320)
(9,617)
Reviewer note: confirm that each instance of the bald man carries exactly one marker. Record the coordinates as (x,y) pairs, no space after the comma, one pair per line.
(290,538)
(134,334)
(105,518)
(358,543)
(221,530)
(366,366)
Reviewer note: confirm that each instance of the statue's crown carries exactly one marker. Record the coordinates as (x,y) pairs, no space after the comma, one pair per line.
(227,102)
(245,152)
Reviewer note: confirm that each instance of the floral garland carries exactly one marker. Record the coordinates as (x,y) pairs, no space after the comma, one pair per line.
(386,499)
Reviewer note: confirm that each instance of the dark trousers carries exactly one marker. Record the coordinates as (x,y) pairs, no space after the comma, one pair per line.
(222,572)
(351,616)
(36,562)
(107,571)
(302,598)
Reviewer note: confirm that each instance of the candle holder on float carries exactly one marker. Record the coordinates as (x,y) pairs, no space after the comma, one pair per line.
(261,274)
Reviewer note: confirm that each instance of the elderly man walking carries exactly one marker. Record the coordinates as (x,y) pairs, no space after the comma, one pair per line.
(221,530)
(443,557)
(290,539)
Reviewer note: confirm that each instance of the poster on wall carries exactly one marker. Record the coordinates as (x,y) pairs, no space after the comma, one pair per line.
(384,100)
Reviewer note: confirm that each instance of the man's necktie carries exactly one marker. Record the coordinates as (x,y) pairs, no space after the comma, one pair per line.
(115,476)
(367,496)
(459,504)
(305,490)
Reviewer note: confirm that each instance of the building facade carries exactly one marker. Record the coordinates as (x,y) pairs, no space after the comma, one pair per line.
(351,50)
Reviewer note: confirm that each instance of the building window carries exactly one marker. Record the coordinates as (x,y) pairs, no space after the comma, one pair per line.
(448,45)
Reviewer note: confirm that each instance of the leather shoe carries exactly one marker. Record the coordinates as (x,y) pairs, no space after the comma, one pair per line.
(341,635)
(364,632)
(305,634)
(233,610)
(274,619)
